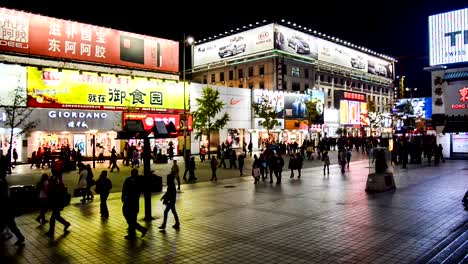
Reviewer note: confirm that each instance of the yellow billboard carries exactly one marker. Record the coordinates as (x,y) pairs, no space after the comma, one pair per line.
(76,89)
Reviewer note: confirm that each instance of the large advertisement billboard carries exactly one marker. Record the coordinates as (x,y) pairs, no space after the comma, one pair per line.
(237,45)
(422,107)
(12,79)
(45,36)
(448,37)
(302,44)
(51,88)
(274,98)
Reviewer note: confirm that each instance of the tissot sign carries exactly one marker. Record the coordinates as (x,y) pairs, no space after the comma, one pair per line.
(39,35)
(448,37)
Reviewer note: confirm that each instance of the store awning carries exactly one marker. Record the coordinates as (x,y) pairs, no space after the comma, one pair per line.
(452,76)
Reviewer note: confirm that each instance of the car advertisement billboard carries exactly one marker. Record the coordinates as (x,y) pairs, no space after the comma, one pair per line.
(448,37)
(11,78)
(422,107)
(300,43)
(234,46)
(295,105)
(51,88)
(45,36)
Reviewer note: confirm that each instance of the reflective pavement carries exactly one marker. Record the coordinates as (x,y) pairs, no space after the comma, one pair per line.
(315,219)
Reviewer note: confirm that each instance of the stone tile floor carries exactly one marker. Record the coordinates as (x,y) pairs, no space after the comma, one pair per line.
(314,219)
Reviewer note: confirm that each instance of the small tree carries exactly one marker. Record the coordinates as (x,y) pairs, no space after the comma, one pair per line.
(204,120)
(17,116)
(265,109)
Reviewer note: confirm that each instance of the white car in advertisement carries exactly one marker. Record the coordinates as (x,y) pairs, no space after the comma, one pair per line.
(236,45)
(299,45)
(380,70)
(358,62)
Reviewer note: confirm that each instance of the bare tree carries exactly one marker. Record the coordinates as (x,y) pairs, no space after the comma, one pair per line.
(17,116)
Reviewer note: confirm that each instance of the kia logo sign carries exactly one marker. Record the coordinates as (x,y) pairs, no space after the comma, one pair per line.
(263,35)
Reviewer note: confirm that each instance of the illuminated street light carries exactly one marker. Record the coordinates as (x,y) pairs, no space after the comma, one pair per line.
(187,42)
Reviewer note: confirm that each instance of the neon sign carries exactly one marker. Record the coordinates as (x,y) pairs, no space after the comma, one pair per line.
(354,96)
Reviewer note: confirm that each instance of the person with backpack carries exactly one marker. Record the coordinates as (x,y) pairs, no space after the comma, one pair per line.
(58,199)
(103,187)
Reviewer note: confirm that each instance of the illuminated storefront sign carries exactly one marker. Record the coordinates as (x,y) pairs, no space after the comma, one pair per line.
(354,96)
(463,98)
(71,89)
(39,35)
(149,119)
(353,113)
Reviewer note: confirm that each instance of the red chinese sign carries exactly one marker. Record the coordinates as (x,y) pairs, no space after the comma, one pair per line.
(39,35)
(149,119)
(354,96)
(463,94)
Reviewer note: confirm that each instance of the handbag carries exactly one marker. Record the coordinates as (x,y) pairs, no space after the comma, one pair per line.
(256,172)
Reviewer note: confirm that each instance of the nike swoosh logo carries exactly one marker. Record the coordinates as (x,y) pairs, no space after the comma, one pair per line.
(234,102)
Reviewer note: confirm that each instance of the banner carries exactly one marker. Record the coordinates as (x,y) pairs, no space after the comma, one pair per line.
(39,35)
(51,88)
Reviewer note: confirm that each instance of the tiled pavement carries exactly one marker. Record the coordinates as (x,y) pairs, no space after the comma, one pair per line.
(314,219)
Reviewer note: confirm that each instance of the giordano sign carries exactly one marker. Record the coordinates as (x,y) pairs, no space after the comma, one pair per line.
(71,89)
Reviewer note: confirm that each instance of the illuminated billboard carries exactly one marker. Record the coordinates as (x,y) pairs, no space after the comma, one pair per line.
(308,46)
(51,88)
(448,37)
(422,107)
(45,36)
(234,46)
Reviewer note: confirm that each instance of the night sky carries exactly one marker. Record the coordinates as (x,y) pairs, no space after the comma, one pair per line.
(397,28)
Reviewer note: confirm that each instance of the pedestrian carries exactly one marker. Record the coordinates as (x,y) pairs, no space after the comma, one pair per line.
(175,172)
(192,168)
(113,161)
(90,182)
(15,156)
(241,159)
(171,150)
(214,167)
(57,201)
(131,192)
(7,216)
(249,147)
(326,162)
(279,167)
(103,187)
(169,199)
(299,163)
(82,182)
(256,169)
(292,164)
(348,157)
(186,164)
(42,188)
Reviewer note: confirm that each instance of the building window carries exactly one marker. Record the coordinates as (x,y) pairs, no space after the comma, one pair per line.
(213,78)
(240,73)
(296,86)
(205,79)
(306,86)
(306,73)
(231,75)
(285,85)
(221,76)
(295,71)
(342,81)
(251,71)
(241,85)
(329,92)
(262,85)
(329,79)
(251,85)
(329,104)
(261,70)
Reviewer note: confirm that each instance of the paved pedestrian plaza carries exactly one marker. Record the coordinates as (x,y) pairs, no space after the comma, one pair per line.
(314,219)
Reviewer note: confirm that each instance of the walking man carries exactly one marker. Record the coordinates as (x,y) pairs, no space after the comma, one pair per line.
(7,218)
(175,172)
(103,187)
(169,199)
(57,193)
(214,166)
(131,205)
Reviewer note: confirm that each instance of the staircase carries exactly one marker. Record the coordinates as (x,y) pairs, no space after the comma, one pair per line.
(451,250)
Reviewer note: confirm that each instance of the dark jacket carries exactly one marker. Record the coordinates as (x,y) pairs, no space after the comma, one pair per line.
(131,194)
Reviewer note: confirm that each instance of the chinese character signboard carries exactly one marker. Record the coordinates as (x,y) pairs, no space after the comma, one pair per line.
(72,89)
(150,119)
(39,35)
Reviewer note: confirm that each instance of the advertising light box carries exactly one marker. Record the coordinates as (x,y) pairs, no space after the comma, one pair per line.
(456,98)
(71,89)
(448,37)
(39,35)
(237,45)
(422,107)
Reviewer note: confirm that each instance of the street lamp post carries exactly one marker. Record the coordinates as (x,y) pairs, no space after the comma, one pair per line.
(187,41)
